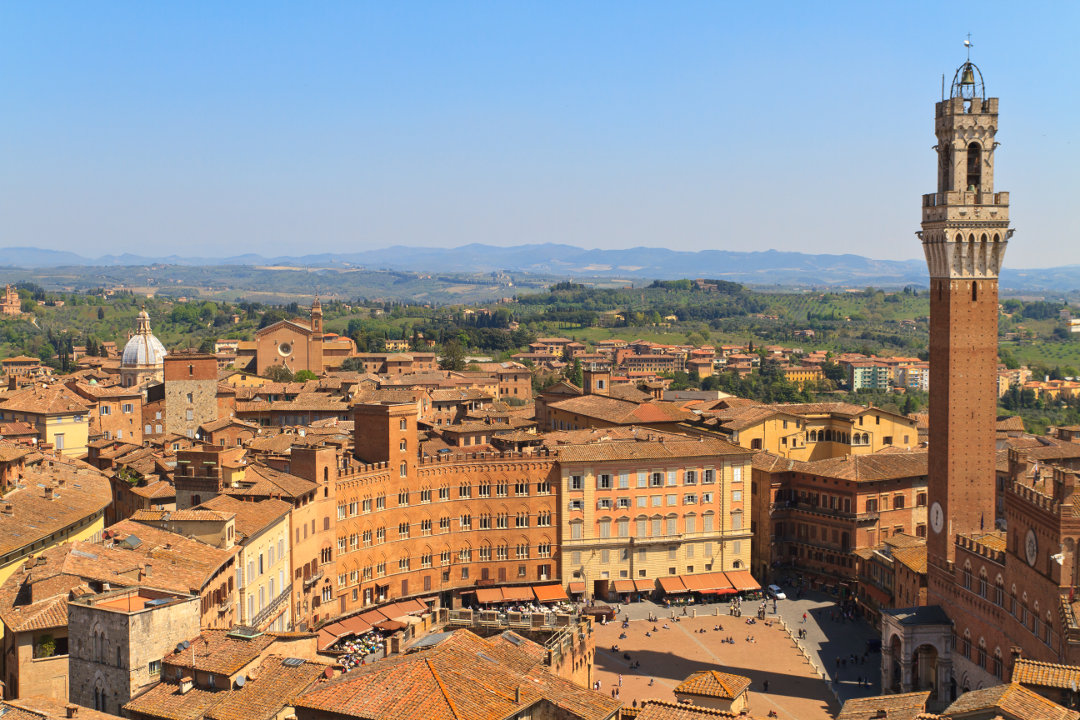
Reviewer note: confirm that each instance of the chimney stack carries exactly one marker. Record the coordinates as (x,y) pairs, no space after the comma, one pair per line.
(72,710)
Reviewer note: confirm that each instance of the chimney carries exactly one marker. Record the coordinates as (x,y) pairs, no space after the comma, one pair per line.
(185,685)
(517,694)
(72,710)
(7,509)
(48,493)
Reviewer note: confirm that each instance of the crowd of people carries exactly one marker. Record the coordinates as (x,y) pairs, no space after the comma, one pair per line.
(356,651)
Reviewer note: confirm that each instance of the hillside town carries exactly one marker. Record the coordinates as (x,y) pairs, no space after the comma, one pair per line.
(309,515)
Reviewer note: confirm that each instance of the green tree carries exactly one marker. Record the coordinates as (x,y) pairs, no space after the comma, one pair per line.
(304,376)
(279,373)
(575,375)
(453,355)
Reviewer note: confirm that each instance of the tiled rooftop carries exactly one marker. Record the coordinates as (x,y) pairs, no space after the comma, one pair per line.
(464,676)
(1011,700)
(713,683)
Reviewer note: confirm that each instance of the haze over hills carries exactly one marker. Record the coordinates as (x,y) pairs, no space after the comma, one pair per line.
(768,267)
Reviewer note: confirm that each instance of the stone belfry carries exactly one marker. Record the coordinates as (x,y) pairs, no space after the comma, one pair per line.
(965,228)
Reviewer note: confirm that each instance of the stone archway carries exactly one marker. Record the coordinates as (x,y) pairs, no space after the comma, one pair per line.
(924,670)
(896,658)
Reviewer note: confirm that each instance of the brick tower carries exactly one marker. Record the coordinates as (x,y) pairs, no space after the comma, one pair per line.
(965,228)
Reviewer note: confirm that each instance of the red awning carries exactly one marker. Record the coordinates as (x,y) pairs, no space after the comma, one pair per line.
(549,593)
(355,625)
(742,580)
(486,596)
(644,585)
(624,586)
(577,588)
(390,625)
(372,617)
(672,585)
(517,594)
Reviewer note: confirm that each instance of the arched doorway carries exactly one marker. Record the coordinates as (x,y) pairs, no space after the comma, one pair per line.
(896,653)
(924,670)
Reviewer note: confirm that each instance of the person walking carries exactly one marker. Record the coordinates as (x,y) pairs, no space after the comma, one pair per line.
(804,617)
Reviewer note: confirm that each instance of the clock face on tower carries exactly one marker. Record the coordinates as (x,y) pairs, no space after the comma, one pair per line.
(937,517)
(1031,547)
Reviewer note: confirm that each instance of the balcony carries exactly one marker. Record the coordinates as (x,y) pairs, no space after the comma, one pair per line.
(310,581)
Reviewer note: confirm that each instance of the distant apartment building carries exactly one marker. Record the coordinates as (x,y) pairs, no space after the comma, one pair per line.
(869,375)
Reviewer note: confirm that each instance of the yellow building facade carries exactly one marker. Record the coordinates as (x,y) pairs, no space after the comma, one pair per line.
(642,510)
(819,431)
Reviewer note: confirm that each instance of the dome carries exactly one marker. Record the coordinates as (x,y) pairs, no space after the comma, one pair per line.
(143,348)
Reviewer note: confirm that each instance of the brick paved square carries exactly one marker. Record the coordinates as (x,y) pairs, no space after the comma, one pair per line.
(795,691)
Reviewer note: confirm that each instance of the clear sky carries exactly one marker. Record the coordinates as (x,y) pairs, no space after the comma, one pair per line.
(286,127)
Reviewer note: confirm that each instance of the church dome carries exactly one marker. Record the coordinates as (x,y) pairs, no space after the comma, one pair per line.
(143,348)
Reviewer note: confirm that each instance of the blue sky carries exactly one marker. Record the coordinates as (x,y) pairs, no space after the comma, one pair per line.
(219,128)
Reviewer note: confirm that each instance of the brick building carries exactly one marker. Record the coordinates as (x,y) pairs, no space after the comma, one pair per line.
(821,513)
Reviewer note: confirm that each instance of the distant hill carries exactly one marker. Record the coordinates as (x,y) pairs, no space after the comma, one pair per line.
(770,267)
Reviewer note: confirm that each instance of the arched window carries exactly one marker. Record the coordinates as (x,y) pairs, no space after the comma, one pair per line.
(974,167)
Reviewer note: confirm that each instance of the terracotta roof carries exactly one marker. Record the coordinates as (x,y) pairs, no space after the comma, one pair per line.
(643,449)
(713,683)
(10,451)
(903,706)
(666,710)
(1043,674)
(219,652)
(622,412)
(79,491)
(276,685)
(868,468)
(914,558)
(44,708)
(464,676)
(251,517)
(165,700)
(1013,700)
(769,462)
(264,481)
(1010,423)
(191,514)
(222,423)
(53,400)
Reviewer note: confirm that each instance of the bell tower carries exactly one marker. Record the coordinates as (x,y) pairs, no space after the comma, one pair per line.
(965,228)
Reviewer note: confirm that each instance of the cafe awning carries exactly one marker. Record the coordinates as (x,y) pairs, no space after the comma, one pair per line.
(517,594)
(577,588)
(486,596)
(696,583)
(672,585)
(549,593)
(742,580)
(624,586)
(644,585)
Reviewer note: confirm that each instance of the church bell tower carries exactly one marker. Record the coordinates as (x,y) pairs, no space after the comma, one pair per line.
(965,228)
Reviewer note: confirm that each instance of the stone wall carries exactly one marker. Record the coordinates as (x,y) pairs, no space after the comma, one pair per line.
(111,650)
